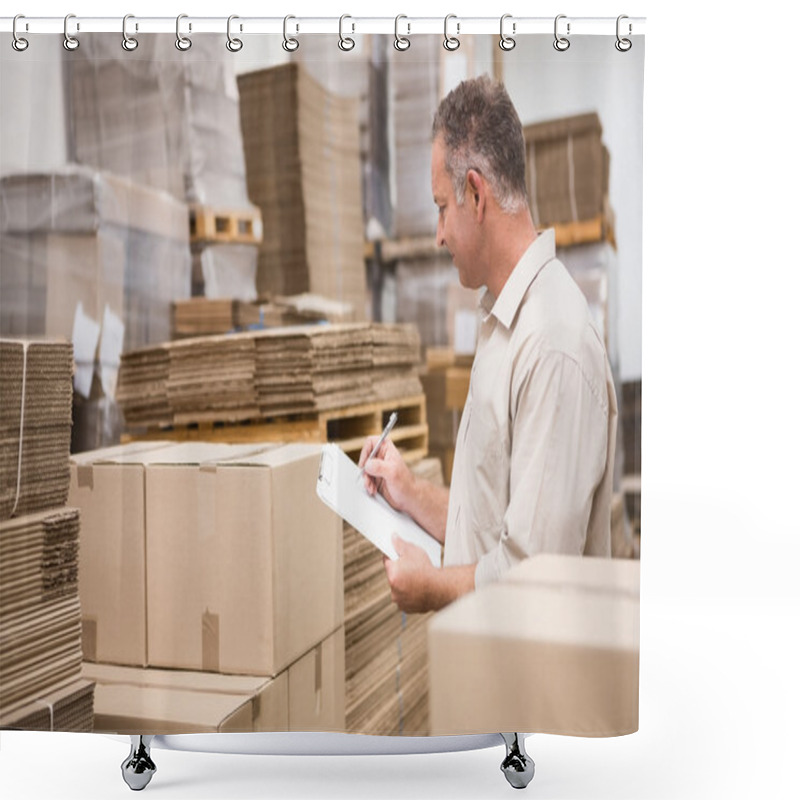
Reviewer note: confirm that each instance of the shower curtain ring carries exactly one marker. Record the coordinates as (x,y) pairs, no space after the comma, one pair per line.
(290,44)
(70,42)
(623,45)
(561,43)
(129,43)
(345,42)
(507,42)
(401,43)
(18,43)
(182,42)
(233,44)
(451,42)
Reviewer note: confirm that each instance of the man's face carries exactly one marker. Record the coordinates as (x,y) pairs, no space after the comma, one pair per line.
(457,229)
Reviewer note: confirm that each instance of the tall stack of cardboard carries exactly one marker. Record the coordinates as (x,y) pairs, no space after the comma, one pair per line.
(39,608)
(95,259)
(416,91)
(303,172)
(385,649)
(228,600)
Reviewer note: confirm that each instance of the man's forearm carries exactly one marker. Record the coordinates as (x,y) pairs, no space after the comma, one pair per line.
(449,584)
(429,507)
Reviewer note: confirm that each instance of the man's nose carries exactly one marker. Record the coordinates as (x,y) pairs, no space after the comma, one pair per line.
(440,234)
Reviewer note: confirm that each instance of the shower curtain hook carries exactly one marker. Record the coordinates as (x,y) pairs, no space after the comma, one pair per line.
(182,42)
(401,42)
(233,44)
(345,42)
(290,44)
(129,43)
(70,42)
(507,42)
(623,45)
(561,43)
(18,43)
(451,42)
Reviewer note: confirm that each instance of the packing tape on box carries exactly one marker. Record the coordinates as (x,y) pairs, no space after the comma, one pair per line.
(318,678)
(21,423)
(210,633)
(85,474)
(256,705)
(89,638)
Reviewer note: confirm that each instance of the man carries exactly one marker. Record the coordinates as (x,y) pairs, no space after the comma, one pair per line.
(534,456)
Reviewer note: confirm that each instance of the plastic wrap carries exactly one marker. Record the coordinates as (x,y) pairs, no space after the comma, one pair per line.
(165,119)
(225,270)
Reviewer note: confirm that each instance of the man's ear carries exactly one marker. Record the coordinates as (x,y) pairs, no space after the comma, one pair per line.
(476,193)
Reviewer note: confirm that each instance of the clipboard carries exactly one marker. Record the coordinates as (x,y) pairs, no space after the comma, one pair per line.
(341,488)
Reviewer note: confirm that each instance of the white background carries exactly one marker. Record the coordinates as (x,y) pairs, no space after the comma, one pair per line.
(720,614)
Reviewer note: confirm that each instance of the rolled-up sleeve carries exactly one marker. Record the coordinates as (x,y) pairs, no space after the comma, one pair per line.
(559,442)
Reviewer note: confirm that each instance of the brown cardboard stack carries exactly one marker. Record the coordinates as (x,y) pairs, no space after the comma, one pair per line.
(95,259)
(226,565)
(395,359)
(40,652)
(35,424)
(416,92)
(265,373)
(567,173)
(551,648)
(385,649)
(303,171)
(307,696)
(313,367)
(69,708)
(446,383)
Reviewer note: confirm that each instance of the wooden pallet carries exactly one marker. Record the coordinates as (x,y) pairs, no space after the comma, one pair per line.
(240,226)
(348,427)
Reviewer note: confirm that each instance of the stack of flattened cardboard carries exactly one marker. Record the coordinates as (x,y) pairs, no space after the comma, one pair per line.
(142,386)
(395,359)
(263,373)
(212,378)
(311,368)
(228,615)
(40,632)
(69,708)
(386,655)
(567,172)
(303,171)
(35,424)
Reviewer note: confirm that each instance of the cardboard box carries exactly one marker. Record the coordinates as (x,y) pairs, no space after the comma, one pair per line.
(611,575)
(308,695)
(171,701)
(108,486)
(317,687)
(536,657)
(244,563)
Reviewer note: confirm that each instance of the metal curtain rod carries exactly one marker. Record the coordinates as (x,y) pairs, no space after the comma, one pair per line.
(578,26)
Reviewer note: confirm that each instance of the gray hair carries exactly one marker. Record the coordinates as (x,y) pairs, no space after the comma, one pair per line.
(482,131)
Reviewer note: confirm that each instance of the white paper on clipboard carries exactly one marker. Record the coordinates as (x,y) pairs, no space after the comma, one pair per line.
(341,488)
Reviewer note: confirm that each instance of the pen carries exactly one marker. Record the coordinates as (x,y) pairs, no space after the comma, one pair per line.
(386,431)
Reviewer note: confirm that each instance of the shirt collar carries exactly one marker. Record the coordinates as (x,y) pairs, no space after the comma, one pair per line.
(504,308)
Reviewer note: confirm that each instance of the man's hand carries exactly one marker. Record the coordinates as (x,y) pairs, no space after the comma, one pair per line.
(411,577)
(388,474)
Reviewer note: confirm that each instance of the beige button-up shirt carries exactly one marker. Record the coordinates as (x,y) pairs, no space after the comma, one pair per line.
(534,456)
